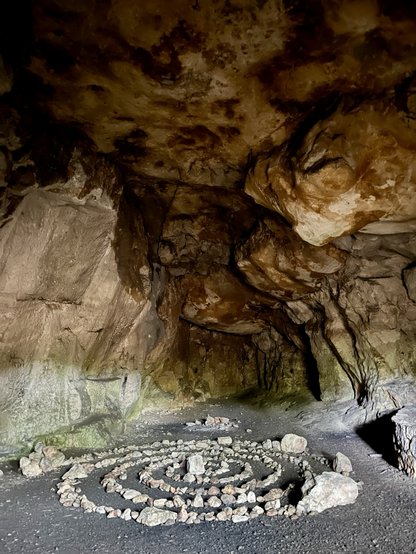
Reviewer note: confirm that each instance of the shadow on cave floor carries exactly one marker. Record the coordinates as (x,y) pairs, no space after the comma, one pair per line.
(379,435)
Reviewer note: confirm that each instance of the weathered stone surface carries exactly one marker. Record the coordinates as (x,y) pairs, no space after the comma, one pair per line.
(405,439)
(125,233)
(195,464)
(293,443)
(409,278)
(342,463)
(326,491)
(172,100)
(222,302)
(361,325)
(67,318)
(276,261)
(195,234)
(29,468)
(349,171)
(77,471)
(154,516)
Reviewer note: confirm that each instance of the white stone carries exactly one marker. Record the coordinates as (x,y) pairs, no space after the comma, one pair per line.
(153,516)
(342,463)
(225,441)
(293,443)
(129,494)
(251,497)
(214,502)
(239,519)
(195,465)
(77,471)
(326,491)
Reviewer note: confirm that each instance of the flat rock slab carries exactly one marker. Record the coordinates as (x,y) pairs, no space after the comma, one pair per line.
(154,516)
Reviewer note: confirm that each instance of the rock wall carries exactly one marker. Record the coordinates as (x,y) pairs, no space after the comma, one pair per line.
(203,201)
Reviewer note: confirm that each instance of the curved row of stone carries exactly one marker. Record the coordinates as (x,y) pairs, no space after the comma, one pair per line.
(194,469)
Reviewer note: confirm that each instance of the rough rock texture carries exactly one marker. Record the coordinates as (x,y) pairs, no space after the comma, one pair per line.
(276,261)
(293,443)
(405,439)
(201,200)
(342,463)
(353,170)
(71,347)
(326,491)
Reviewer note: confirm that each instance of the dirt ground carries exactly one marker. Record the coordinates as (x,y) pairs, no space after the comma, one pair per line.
(382,520)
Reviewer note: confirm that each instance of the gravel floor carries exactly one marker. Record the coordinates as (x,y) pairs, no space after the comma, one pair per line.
(382,520)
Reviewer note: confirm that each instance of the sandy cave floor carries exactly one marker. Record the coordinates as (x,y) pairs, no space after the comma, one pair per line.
(382,520)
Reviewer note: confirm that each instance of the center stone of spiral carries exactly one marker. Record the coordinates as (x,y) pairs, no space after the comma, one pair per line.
(195,465)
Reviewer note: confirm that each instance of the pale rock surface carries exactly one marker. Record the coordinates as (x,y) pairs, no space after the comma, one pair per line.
(77,471)
(293,443)
(65,310)
(326,491)
(342,463)
(329,190)
(154,516)
(195,464)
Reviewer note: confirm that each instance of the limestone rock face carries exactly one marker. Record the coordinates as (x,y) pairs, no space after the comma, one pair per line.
(361,326)
(222,302)
(200,227)
(69,326)
(405,439)
(184,93)
(353,170)
(276,261)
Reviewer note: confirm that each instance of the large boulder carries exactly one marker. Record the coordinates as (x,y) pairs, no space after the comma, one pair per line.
(327,491)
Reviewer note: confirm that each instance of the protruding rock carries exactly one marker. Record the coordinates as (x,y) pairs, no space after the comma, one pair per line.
(405,439)
(220,301)
(351,171)
(275,260)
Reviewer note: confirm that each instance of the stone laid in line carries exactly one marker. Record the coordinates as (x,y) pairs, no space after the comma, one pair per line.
(209,490)
(42,460)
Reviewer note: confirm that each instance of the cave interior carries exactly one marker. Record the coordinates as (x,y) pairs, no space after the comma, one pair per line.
(204,201)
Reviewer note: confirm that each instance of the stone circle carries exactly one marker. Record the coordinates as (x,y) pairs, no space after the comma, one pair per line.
(233,480)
